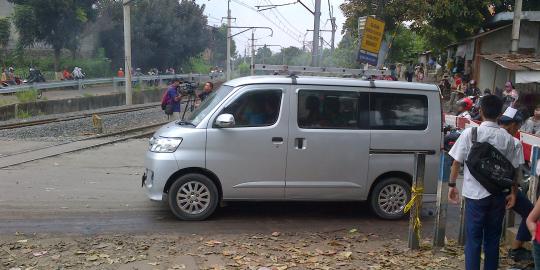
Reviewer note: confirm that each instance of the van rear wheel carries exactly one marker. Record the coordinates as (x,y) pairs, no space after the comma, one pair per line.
(389,197)
(193,197)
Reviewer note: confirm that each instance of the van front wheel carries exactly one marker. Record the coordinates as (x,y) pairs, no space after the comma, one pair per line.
(389,197)
(193,197)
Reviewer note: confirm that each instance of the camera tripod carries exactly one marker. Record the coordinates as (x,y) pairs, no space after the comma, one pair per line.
(190,103)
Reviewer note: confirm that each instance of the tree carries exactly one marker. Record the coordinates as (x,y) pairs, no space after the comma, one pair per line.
(263,55)
(5,33)
(406,45)
(57,23)
(218,45)
(165,33)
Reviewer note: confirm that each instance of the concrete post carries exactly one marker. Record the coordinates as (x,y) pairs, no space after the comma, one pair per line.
(418,183)
(442,201)
(127,51)
(316,28)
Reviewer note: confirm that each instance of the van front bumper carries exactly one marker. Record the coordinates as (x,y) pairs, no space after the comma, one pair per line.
(159,167)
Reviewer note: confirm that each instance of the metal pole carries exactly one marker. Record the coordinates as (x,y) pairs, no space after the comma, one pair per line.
(316,27)
(252,52)
(127,51)
(418,182)
(321,51)
(533,185)
(442,201)
(228,64)
(461,236)
(515,26)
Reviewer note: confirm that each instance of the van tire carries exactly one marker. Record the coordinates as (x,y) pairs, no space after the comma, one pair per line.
(193,197)
(398,193)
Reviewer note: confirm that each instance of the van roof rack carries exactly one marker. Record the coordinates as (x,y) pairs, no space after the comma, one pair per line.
(294,70)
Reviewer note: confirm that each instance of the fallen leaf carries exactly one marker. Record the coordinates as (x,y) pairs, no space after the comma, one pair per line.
(276,234)
(39,253)
(345,255)
(92,258)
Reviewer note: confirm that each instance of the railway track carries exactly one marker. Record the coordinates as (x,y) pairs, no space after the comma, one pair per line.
(78,145)
(75,117)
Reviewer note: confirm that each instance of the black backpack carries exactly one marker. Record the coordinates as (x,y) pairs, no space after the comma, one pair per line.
(489,166)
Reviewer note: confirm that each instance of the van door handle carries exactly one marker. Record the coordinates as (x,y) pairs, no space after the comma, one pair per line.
(300,143)
(277,140)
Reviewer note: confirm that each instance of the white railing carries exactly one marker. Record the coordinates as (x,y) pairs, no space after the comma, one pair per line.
(199,78)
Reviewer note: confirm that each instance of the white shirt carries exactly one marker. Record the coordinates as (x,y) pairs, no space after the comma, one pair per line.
(465,115)
(487,132)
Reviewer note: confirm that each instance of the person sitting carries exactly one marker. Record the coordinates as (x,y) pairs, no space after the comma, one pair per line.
(532,125)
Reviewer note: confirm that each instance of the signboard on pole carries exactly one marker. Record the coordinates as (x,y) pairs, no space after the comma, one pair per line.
(370,32)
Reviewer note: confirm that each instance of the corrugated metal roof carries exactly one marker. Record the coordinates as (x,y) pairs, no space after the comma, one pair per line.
(515,62)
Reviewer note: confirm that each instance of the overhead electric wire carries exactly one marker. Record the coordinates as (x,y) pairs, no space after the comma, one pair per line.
(284,18)
(288,33)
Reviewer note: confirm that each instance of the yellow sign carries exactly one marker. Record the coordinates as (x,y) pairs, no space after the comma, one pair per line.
(372,35)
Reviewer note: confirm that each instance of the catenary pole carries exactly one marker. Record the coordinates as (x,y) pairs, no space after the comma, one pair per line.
(228,61)
(515,26)
(252,52)
(316,27)
(127,51)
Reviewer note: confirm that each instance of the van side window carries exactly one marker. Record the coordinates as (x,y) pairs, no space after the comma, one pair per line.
(256,108)
(390,111)
(319,109)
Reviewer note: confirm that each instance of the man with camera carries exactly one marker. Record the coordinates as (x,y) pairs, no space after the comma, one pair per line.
(172,99)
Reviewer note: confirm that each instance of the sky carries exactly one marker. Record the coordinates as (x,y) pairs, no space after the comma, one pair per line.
(289,22)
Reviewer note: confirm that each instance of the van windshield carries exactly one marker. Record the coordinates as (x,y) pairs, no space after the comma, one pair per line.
(208,104)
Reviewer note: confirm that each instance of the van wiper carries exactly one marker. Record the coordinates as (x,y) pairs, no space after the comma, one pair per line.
(184,123)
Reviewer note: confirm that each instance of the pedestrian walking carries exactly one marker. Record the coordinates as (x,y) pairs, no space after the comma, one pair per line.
(533,225)
(532,125)
(484,193)
(456,89)
(120,73)
(409,71)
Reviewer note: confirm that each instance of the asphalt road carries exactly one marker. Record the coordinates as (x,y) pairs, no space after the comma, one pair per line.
(97,191)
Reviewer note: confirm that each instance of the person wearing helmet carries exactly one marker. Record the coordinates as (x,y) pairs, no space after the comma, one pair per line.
(463,107)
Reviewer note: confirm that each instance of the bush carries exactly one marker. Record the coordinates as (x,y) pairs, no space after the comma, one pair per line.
(27,96)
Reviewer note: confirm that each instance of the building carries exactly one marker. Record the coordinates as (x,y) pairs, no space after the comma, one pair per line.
(486,56)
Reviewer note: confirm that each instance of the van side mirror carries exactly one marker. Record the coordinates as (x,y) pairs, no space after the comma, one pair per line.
(225,121)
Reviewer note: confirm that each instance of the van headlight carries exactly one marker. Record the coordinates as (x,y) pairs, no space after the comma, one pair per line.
(164,145)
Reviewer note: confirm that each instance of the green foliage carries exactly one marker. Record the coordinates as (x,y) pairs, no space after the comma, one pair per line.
(406,45)
(86,95)
(21,114)
(243,69)
(5,32)
(57,23)
(168,32)
(218,46)
(197,65)
(27,96)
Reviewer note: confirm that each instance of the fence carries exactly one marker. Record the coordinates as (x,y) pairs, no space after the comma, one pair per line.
(114,81)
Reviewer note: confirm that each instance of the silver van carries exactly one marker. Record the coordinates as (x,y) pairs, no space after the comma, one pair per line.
(278,138)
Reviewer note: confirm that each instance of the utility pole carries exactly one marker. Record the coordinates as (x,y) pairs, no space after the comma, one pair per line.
(316,27)
(127,50)
(252,52)
(334,27)
(321,51)
(228,64)
(515,26)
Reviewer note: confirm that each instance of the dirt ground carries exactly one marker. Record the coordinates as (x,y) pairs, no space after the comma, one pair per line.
(348,249)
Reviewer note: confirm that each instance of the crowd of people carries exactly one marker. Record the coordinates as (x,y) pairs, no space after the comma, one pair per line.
(501,117)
